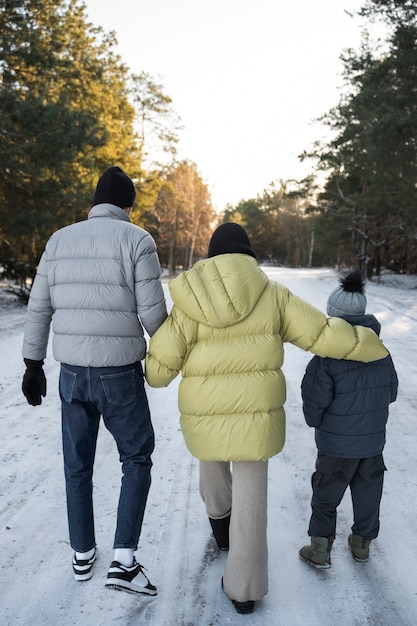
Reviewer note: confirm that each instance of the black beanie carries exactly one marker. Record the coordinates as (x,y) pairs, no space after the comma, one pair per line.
(230,238)
(115,187)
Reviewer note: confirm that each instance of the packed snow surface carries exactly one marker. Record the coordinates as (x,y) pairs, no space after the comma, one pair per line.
(176,545)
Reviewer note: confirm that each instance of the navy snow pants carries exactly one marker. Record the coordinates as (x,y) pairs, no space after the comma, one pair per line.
(332,477)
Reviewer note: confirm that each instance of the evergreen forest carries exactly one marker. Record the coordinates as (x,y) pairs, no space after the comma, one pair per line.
(70,107)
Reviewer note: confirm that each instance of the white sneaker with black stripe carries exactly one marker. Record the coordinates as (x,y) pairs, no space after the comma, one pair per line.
(131,579)
(83,568)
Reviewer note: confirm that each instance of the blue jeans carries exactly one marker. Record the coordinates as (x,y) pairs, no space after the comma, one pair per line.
(118,394)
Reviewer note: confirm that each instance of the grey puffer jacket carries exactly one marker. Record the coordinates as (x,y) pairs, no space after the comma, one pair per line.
(347,401)
(98,281)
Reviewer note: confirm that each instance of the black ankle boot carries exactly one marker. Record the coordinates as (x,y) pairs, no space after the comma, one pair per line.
(244,607)
(220,528)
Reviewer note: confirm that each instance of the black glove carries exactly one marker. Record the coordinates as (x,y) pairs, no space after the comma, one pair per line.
(34,382)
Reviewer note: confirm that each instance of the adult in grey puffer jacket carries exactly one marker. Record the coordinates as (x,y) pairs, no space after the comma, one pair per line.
(98,283)
(347,404)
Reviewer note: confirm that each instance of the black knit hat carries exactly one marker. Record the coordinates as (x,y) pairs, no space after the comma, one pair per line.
(230,238)
(115,187)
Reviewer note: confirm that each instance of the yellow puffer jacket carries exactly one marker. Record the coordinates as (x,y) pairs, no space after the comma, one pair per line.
(225,335)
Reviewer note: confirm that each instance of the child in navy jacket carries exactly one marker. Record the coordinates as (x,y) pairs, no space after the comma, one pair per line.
(347,404)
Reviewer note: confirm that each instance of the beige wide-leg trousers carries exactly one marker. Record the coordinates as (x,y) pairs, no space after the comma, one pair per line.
(242,492)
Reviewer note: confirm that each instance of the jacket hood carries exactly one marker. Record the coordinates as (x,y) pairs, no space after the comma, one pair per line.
(220,291)
(367,320)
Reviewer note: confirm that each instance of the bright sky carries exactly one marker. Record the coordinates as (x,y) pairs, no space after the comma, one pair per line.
(247,78)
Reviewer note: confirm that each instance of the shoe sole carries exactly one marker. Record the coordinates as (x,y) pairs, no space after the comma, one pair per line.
(314,564)
(121,587)
(80,578)
(358,560)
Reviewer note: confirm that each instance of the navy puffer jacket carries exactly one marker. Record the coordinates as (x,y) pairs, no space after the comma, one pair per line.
(347,401)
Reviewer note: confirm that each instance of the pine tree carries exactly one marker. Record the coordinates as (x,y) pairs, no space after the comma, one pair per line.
(65,116)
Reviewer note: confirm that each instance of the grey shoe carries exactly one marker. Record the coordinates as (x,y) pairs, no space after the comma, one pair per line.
(359,548)
(318,552)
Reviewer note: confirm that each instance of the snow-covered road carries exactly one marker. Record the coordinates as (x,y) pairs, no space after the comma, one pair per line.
(176,547)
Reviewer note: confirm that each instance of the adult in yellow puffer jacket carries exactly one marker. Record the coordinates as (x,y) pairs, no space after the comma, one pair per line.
(225,335)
